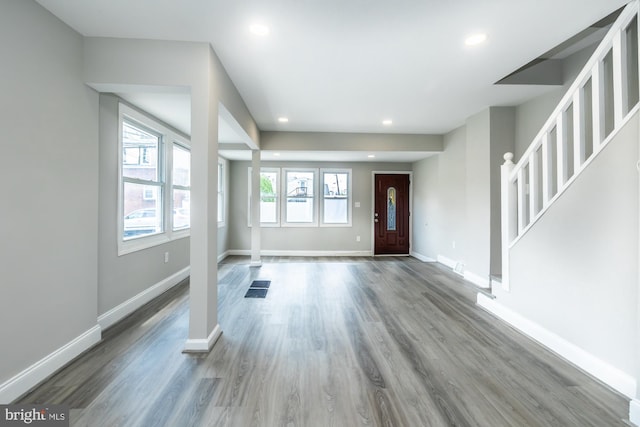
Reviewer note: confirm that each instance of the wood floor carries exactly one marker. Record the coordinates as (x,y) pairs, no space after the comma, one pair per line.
(336,342)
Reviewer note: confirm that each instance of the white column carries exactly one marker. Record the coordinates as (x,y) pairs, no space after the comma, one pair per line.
(203,291)
(508,215)
(255,209)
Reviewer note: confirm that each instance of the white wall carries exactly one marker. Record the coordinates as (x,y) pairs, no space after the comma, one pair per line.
(223,230)
(439,184)
(120,278)
(575,273)
(49,214)
(336,239)
(478,194)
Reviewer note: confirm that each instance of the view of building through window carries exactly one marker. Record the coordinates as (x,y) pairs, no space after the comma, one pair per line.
(142,188)
(300,201)
(268,197)
(181,176)
(336,197)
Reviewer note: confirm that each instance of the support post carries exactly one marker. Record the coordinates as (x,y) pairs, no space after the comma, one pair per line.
(255,209)
(509,215)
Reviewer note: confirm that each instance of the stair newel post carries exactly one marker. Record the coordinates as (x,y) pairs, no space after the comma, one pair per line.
(509,214)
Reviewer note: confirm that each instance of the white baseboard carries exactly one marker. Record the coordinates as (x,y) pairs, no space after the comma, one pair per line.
(270,252)
(421,257)
(477,280)
(468,275)
(132,304)
(203,345)
(634,411)
(45,367)
(446,261)
(606,373)
(223,255)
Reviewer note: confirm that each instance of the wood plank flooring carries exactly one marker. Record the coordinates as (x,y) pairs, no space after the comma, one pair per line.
(336,342)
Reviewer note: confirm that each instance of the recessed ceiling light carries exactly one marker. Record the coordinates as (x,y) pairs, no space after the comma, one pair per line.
(371,156)
(259,30)
(387,122)
(475,39)
(283,119)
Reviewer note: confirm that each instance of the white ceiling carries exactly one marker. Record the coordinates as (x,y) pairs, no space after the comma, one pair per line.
(344,66)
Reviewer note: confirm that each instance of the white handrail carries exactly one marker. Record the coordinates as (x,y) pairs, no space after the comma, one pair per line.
(595,61)
(527,194)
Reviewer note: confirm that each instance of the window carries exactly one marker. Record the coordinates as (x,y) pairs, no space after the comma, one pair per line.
(154,191)
(299,187)
(181,187)
(221,185)
(299,201)
(269,209)
(142,181)
(336,198)
(269,197)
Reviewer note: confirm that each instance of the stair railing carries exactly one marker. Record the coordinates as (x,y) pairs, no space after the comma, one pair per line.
(601,100)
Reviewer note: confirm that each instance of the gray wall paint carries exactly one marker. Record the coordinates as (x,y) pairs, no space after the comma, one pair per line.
(478,195)
(308,238)
(457,193)
(440,200)
(576,272)
(122,277)
(48,220)
(502,141)
(532,115)
(319,141)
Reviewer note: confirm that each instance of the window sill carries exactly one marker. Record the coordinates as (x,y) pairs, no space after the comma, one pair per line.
(142,243)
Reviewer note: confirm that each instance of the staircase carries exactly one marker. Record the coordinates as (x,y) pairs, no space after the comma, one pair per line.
(596,107)
(585,311)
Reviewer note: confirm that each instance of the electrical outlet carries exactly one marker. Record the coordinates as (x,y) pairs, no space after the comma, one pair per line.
(166,257)
(453,244)
(357,238)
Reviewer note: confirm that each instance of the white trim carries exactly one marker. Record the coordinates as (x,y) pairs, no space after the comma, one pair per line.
(477,280)
(322,199)
(48,365)
(284,219)
(421,257)
(132,304)
(600,369)
(223,256)
(634,411)
(203,345)
(446,261)
(167,138)
(276,252)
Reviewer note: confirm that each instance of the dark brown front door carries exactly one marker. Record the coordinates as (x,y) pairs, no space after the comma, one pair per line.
(391,214)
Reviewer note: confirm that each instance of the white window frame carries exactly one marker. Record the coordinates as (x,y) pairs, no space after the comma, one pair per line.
(165,160)
(278,173)
(183,232)
(348,172)
(222,194)
(283,198)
